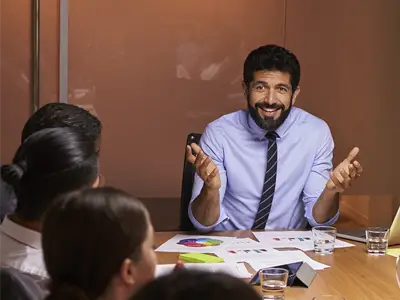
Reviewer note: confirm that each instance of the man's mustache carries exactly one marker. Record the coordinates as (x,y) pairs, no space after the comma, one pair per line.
(264,105)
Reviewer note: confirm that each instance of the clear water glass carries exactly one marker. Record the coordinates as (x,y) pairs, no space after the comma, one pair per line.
(324,238)
(377,240)
(273,283)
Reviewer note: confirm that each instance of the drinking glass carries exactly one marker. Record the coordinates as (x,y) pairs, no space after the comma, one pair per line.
(324,239)
(273,282)
(377,240)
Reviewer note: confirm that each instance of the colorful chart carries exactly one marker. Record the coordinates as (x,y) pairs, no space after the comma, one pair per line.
(301,239)
(201,242)
(248,251)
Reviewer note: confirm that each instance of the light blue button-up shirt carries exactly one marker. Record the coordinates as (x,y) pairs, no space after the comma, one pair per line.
(238,148)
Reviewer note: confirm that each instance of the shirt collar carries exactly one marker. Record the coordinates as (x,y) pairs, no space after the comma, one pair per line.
(280,131)
(21,234)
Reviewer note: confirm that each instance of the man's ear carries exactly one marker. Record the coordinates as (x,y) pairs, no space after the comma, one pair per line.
(295,94)
(245,89)
(128,272)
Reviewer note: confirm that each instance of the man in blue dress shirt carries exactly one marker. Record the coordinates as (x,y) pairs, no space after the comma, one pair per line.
(270,166)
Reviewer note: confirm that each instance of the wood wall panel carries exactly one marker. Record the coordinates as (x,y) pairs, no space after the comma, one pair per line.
(124,60)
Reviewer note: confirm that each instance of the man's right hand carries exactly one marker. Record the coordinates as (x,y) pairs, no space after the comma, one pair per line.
(179,265)
(205,167)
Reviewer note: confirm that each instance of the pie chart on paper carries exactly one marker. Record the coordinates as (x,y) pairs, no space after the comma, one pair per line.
(201,242)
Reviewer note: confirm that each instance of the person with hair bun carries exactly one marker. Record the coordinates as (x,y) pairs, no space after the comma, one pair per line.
(97,244)
(48,163)
(51,115)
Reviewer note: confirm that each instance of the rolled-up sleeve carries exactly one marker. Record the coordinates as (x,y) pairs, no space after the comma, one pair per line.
(319,176)
(212,146)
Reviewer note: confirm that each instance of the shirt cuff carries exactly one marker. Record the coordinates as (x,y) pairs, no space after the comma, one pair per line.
(201,227)
(330,222)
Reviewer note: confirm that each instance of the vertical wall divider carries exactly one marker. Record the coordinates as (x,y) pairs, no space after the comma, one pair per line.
(35,60)
(63,52)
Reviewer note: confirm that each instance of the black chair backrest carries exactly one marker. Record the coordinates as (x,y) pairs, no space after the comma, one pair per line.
(187,185)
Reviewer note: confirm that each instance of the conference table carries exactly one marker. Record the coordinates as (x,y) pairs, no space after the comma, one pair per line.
(353,274)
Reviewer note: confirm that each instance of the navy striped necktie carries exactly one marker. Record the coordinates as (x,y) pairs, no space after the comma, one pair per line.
(267,195)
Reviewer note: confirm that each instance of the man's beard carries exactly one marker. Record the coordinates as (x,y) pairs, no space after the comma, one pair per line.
(269,123)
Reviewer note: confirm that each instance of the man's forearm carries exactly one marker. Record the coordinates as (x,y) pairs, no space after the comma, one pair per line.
(327,206)
(206,208)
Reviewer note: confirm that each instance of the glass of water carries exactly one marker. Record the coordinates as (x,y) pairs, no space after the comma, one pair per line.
(273,282)
(324,239)
(377,240)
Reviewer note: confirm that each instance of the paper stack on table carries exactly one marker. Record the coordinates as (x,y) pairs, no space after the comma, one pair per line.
(235,250)
(244,252)
(268,240)
(292,239)
(203,244)
(279,258)
(196,243)
(233,269)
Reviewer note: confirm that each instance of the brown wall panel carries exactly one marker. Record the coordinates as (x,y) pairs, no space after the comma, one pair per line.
(350,68)
(15,31)
(158,70)
(15,57)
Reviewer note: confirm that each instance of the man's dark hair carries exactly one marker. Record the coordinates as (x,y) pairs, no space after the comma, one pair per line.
(196,285)
(272,58)
(53,115)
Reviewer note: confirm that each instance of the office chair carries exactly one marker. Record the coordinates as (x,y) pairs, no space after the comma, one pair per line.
(187,185)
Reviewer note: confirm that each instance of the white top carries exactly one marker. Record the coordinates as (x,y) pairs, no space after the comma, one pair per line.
(21,248)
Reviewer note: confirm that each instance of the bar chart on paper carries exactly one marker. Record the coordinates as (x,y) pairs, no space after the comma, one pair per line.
(247,251)
(244,252)
(244,242)
(292,239)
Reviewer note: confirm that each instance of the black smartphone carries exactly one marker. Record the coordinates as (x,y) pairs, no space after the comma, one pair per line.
(292,268)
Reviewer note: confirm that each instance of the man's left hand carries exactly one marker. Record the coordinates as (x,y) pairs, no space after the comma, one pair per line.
(345,173)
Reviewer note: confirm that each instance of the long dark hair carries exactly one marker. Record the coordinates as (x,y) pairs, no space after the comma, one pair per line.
(48,163)
(86,236)
(196,285)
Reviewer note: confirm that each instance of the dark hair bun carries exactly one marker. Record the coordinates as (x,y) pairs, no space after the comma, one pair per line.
(12,174)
